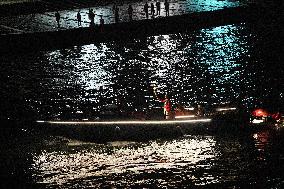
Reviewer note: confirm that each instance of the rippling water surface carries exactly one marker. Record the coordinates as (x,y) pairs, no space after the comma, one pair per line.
(226,64)
(130,160)
(218,161)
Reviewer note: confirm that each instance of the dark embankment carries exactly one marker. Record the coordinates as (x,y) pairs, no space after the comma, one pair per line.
(127,30)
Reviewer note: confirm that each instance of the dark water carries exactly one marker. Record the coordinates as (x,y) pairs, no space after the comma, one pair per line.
(235,64)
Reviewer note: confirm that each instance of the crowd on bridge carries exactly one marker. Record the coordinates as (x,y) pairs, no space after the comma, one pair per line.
(153,8)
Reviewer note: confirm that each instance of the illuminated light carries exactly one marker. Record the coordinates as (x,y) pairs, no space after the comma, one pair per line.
(184,116)
(123,122)
(260,113)
(257,121)
(189,108)
(225,109)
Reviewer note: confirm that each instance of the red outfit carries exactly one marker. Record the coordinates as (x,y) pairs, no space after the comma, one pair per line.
(167,104)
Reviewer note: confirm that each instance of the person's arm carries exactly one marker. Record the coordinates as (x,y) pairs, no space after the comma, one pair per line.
(156,95)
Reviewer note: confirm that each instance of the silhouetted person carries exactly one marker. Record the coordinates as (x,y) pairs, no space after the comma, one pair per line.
(92,17)
(89,14)
(116,15)
(102,23)
(57,17)
(79,18)
(152,9)
(167,8)
(158,6)
(146,10)
(130,12)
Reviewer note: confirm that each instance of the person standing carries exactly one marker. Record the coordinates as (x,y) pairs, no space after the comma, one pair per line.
(167,104)
(158,7)
(116,15)
(130,12)
(152,10)
(57,17)
(167,8)
(102,23)
(146,10)
(79,19)
(92,17)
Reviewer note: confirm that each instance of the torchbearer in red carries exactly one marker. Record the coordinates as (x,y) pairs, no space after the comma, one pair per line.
(167,104)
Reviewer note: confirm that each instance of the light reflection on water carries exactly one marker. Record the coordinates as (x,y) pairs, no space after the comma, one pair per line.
(216,161)
(209,66)
(109,161)
(198,68)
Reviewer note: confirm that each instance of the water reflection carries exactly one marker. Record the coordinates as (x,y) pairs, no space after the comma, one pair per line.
(208,66)
(199,68)
(134,160)
(214,161)
(262,141)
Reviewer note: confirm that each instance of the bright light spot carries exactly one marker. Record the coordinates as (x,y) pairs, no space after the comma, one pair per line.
(257,121)
(189,108)
(184,116)
(225,109)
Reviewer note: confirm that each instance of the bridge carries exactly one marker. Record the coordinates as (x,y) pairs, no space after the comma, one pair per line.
(21,36)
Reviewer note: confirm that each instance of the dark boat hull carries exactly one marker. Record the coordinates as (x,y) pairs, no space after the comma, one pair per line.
(103,131)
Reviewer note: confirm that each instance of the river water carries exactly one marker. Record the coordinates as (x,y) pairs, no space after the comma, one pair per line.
(231,64)
(219,161)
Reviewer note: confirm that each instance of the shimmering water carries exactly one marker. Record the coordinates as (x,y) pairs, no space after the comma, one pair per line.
(236,64)
(225,64)
(189,161)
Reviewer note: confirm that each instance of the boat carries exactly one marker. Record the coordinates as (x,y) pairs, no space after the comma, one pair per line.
(221,120)
(110,130)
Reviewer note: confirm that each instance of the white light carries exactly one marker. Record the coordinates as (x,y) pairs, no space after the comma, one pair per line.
(257,121)
(184,116)
(189,108)
(225,109)
(123,122)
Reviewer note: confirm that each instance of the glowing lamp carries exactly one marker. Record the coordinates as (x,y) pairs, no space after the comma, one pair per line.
(260,113)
